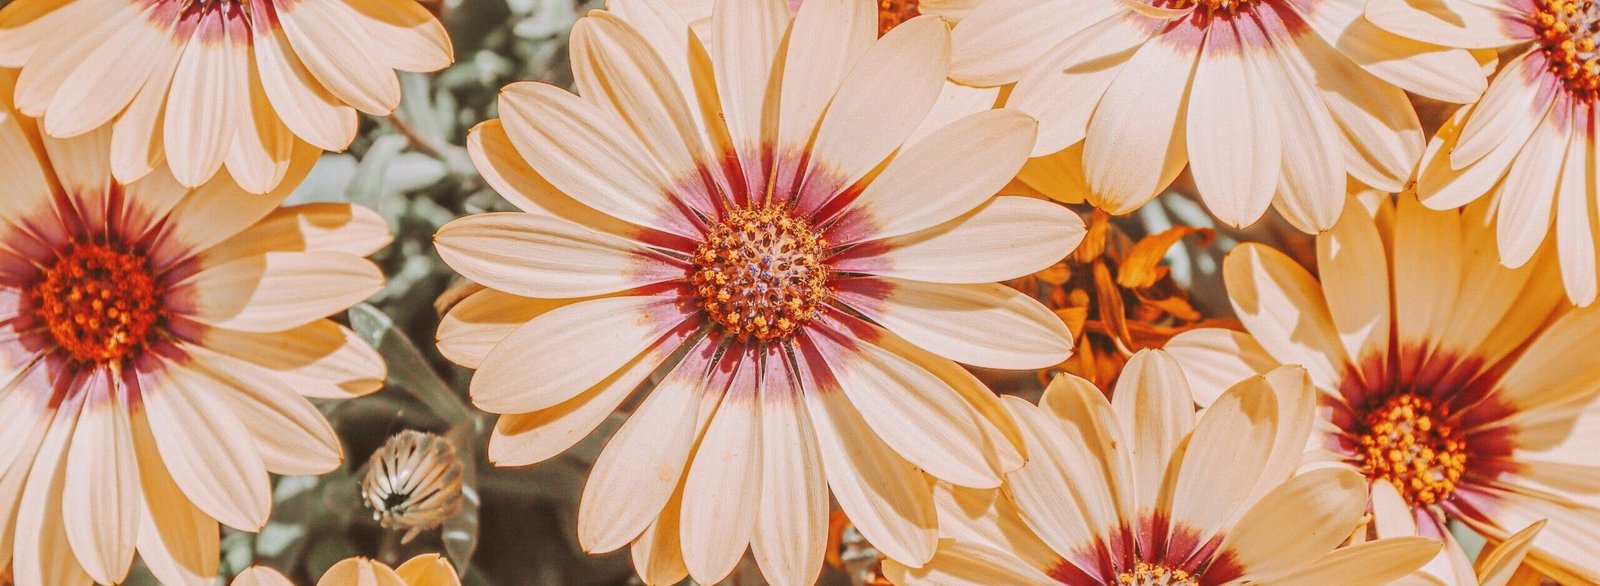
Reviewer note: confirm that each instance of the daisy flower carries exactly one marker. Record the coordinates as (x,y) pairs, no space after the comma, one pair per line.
(1528,143)
(751,222)
(1140,491)
(213,84)
(423,570)
(1457,386)
(159,345)
(1266,101)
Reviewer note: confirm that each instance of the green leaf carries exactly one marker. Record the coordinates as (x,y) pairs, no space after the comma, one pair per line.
(408,369)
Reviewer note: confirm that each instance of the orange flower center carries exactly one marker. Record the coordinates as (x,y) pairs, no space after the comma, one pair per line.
(760,273)
(1568,30)
(1148,574)
(100,302)
(1408,443)
(893,12)
(1215,7)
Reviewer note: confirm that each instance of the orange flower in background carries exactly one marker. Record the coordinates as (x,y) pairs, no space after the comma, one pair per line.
(423,570)
(1258,98)
(808,279)
(159,345)
(1529,143)
(1464,391)
(1139,490)
(1116,297)
(204,86)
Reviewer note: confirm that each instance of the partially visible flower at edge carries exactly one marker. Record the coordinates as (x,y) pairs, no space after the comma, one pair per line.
(423,570)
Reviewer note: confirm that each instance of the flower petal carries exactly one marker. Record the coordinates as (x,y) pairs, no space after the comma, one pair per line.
(987,325)
(204,445)
(1283,307)
(538,256)
(981,246)
(275,291)
(1320,508)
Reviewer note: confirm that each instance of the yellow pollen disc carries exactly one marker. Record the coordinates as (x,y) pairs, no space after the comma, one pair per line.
(893,12)
(99,302)
(1210,6)
(1569,30)
(759,273)
(1147,574)
(1410,444)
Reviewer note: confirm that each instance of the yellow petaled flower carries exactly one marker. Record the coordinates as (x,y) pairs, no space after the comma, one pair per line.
(1138,491)
(423,570)
(1268,102)
(159,345)
(212,84)
(753,220)
(1463,390)
(1529,143)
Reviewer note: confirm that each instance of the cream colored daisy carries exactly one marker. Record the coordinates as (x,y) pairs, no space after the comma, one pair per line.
(1266,101)
(1140,491)
(753,222)
(159,345)
(1464,391)
(204,85)
(1529,143)
(423,570)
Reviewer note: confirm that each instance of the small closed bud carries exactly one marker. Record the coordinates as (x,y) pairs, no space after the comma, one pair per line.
(412,483)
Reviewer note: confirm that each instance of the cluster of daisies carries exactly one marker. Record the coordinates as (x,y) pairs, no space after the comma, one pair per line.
(779,229)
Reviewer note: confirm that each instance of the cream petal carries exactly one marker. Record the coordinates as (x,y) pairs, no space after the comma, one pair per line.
(835,34)
(405,35)
(618,501)
(1215,359)
(428,570)
(981,246)
(958,563)
(722,487)
(1381,134)
(998,41)
(617,69)
(1527,198)
(29,24)
(23,166)
(1440,187)
(1545,373)
(990,516)
(1564,548)
(110,76)
(898,201)
(83,171)
(320,33)
(306,107)
(262,147)
(955,102)
(1354,266)
(260,576)
(571,348)
(791,525)
(1297,431)
(539,256)
(669,34)
(43,554)
(1497,309)
(1063,87)
(522,439)
(137,147)
(220,209)
(209,88)
(1234,143)
(586,154)
(988,325)
(475,325)
(275,291)
(504,169)
(1311,186)
(1282,306)
(1058,176)
(1155,411)
(1373,562)
(313,227)
(1469,25)
(177,541)
(1441,73)
(1219,467)
(1574,222)
(914,412)
(102,485)
(657,554)
(205,446)
(886,498)
(1428,265)
(291,435)
(1391,515)
(748,35)
(1508,113)
(1071,442)
(59,53)
(894,87)
(322,359)
(1319,507)
(1496,564)
(1134,147)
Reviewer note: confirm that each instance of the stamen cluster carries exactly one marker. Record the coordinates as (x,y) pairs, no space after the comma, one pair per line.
(1148,574)
(759,273)
(99,302)
(1409,443)
(1568,29)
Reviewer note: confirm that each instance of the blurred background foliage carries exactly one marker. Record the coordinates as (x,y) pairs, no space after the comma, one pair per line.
(518,526)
